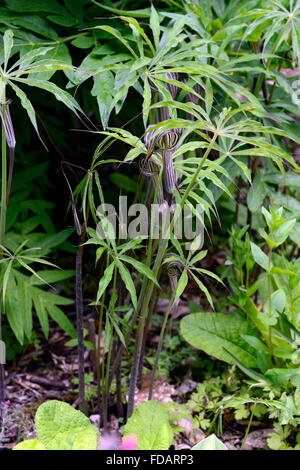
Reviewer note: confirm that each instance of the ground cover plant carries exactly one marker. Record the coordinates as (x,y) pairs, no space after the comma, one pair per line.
(149,224)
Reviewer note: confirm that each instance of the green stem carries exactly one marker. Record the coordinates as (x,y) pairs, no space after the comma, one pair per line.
(208,432)
(248,427)
(270,307)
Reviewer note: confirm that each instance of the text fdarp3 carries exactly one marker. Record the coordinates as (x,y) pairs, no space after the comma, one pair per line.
(153,459)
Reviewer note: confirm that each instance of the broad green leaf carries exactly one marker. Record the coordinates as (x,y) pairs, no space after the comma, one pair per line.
(213,333)
(278,300)
(260,257)
(259,378)
(210,443)
(123,181)
(30,444)
(150,423)
(60,427)
(279,376)
(281,234)
(256,194)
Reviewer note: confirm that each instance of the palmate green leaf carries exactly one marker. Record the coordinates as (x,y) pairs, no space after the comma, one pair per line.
(140,30)
(296,41)
(28,268)
(121,94)
(40,308)
(26,59)
(62,320)
(143,13)
(51,276)
(42,69)
(56,58)
(133,244)
(171,38)
(140,267)
(155,26)
(213,333)
(198,257)
(59,94)
(118,35)
(14,314)
(6,278)
(27,308)
(146,101)
(26,105)
(244,168)
(203,289)
(22,296)
(182,283)
(105,280)
(208,273)
(115,325)
(8,41)
(107,333)
(103,90)
(126,278)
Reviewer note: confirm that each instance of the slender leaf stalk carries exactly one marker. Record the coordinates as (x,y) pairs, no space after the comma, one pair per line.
(248,427)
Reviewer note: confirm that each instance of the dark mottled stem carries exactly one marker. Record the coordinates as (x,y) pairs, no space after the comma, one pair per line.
(2,235)
(80,336)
